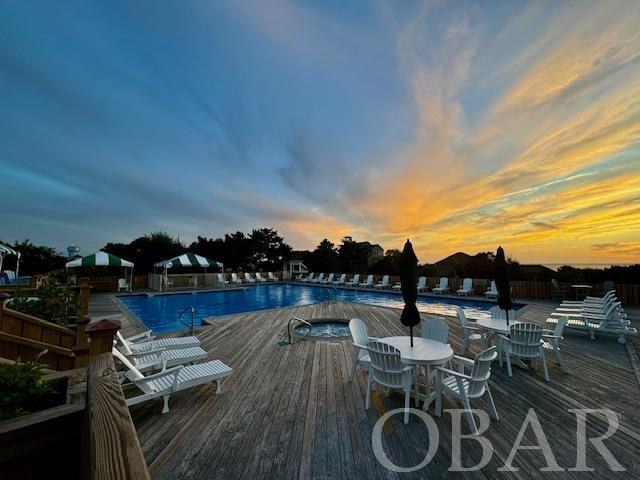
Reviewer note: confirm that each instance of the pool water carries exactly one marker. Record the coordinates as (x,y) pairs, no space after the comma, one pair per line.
(325,329)
(160,313)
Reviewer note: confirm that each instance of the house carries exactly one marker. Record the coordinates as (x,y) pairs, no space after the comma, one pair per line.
(536,273)
(374,252)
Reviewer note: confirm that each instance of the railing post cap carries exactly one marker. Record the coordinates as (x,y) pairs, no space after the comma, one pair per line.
(83,320)
(104,326)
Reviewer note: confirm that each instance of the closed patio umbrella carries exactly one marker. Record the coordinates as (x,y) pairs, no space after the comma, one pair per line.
(502,283)
(408,284)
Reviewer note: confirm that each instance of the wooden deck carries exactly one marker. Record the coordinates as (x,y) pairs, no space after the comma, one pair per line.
(290,412)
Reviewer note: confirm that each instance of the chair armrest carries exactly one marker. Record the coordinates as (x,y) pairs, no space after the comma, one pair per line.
(504,339)
(453,373)
(144,335)
(357,345)
(164,373)
(472,328)
(140,353)
(374,339)
(559,337)
(462,359)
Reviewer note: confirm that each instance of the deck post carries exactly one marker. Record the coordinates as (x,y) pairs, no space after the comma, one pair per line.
(81,348)
(83,295)
(111,446)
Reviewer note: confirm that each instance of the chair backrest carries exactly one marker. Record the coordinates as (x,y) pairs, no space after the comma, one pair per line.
(359,331)
(220,278)
(444,282)
(386,365)
(310,277)
(271,275)
(342,277)
(124,342)
(330,279)
(247,276)
(258,275)
(11,275)
(560,324)
(481,371)
(493,287)
(497,312)
(435,329)
(385,280)
(462,316)
(607,286)
(467,284)
(122,283)
(234,277)
(525,339)
(555,285)
(369,278)
(134,372)
(320,277)
(422,282)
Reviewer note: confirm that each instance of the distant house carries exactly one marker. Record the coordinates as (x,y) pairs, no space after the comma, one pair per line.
(536,273)
(375,252)
(452,265)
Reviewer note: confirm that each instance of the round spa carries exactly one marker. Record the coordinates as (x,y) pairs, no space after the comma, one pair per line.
(323,329)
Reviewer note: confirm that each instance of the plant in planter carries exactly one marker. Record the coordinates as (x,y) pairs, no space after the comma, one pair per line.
(51,301)
(24,390)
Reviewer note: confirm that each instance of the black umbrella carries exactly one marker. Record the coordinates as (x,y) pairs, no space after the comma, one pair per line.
(502,283)
(408,283)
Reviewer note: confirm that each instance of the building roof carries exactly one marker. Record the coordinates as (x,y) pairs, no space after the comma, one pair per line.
(369,245)
(455,258)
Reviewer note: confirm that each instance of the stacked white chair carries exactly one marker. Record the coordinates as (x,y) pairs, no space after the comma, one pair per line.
(471,333)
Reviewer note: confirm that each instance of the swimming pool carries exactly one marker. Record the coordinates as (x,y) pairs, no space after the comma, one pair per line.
(160,312)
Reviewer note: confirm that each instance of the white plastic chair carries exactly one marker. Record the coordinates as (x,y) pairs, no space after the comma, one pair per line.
(470,332)
(465,386)
(318,279)
(221,279)
(551,341)
(235,280)
(272,277)
(329,279)
(248,278)
(524,341)
(368,283)
(387,369)
(443,287)
(165,358)
(493,291)
(384,283)
(360,340)
(467,287)
(354,281)
(340,280)
(260,278)
(175,379)
(497,312)
(146,342)
(422,284)
(123,285)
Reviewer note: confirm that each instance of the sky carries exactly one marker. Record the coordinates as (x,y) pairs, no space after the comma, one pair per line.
(461,125)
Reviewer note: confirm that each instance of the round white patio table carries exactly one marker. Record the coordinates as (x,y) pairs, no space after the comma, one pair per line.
(424,353)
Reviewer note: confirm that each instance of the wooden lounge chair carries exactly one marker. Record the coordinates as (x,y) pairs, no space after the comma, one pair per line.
(168,381)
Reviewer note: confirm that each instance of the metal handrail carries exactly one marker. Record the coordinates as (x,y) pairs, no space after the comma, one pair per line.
(299,320)
(193,318)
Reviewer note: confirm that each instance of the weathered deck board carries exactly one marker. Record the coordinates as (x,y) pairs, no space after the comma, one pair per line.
(290,412)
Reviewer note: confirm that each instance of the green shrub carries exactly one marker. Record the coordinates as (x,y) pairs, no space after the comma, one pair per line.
(51,301)
(22,390)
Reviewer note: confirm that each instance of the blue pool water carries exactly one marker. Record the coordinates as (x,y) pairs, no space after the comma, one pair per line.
(327,329)
(160,312)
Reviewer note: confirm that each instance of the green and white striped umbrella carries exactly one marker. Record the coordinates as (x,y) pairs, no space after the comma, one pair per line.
(187,260)
(99,259)
(5,250)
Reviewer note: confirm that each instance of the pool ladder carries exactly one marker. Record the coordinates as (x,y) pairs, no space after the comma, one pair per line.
(193,318)
(295,319)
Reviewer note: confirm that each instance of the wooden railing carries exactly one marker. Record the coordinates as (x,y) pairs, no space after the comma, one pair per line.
(111,449)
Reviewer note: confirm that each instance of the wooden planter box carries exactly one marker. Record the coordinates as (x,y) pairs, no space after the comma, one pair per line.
(46,444)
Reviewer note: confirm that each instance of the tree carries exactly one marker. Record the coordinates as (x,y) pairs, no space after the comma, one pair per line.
(268,249)
(390,264)
(353,257)
(325,258)
(34,259)
(146,250)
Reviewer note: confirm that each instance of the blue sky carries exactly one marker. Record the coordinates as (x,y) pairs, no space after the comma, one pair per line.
(458,124)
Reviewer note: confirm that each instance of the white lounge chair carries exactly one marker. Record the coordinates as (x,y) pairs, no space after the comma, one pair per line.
(610,323)
(319,279)
(165,358)
(235,280)
(368,283)
(524,341)
(387,369)
(308,278)
(465,386)
(397,286)
(123,285)
(422,284)
(443,287)
(171,380)
(471,333)
(260,278)
(221,280)
(383,284)
(248,278)
(340,280)
(551,341)
(493,291)
(328,280)
(272,277)
(354,281)
(360,340)
(467,287)
(145,342)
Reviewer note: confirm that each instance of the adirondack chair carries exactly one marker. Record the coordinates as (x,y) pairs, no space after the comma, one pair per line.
(497,312)
(470,332)
(443,287)
(387,369)
(435,329)
(260,278)
(145,342)
(123,285)
(525,341)
(222,280)
(168,381)
(354,281)
(465,386)
(248,278)
(384,283)
(235,280)
(551,341)
(165,357)
(272,277)
(360,340)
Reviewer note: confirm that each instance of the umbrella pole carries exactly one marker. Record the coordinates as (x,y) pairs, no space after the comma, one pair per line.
(18,265)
